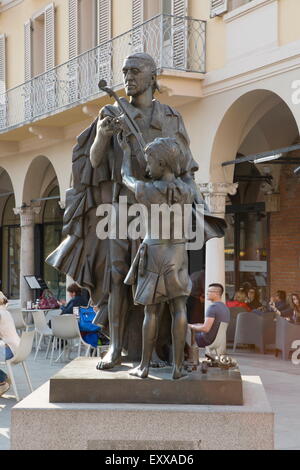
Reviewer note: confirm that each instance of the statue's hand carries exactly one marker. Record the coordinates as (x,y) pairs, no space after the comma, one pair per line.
(123,142)
(106,126)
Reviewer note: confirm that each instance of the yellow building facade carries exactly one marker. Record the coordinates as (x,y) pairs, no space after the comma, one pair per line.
(232,69)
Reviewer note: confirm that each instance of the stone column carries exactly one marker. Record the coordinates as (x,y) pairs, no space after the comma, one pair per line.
(27,215)
(215,197)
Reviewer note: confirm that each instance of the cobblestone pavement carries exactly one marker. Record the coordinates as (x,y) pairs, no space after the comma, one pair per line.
(281,380)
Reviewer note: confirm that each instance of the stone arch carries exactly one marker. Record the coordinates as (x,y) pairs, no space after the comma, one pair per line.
(9,237)
(39,177)
(6,189)
(254,110)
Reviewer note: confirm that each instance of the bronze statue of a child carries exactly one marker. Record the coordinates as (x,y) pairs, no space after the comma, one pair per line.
(159,271)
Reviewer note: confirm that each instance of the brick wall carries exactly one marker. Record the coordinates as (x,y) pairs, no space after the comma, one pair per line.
(285,236)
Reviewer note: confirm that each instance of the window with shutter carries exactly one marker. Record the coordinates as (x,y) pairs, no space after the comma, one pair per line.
(3,97)
(179,33)
(87,25)
(104,32)
(218,7)
(39,43)
(137,20)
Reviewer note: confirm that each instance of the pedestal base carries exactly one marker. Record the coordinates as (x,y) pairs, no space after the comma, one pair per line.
(38,424)
(81,382)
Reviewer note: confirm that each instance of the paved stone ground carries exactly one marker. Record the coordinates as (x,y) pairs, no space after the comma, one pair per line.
(281,380)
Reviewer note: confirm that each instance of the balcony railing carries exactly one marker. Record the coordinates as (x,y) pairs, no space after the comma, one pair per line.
(174,43)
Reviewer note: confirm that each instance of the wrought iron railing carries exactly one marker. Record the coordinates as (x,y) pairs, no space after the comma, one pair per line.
(174,42)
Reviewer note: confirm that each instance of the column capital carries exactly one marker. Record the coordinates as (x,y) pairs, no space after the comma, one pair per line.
(215,195)
(27,214)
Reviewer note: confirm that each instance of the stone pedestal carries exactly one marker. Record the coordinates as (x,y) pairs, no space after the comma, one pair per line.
(37,424)
(81,382)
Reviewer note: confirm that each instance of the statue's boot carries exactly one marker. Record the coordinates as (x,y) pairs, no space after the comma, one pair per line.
(111,359)
(117,308)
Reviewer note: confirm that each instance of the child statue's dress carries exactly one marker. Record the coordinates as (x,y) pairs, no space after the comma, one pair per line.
(159,271)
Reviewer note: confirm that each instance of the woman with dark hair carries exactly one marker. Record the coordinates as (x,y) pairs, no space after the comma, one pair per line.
(76,299)
(295,306)
(253,298)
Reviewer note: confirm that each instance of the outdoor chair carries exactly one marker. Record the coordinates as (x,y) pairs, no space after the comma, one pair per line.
(65,327)
(249,330)
(234,311)
(21,355)
(19,321)
(42,329)
(269,329)
(219,344)
(286,334)
(49,314)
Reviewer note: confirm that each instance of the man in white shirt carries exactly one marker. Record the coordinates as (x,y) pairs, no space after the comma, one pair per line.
(9,340)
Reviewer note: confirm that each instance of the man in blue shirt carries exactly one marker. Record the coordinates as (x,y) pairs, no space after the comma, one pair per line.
(216,313)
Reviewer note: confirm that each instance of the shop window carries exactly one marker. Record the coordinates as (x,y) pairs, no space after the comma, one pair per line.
(246,251)
(51,238)
(10,248)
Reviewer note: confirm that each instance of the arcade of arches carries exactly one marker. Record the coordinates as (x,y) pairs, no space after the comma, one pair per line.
(44,218)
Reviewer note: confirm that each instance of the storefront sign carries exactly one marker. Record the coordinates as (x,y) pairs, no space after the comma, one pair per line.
(253,266)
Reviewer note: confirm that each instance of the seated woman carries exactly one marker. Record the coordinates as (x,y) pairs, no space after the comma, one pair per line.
(239,301)
(77,300)
(253,301)
(295,308)
(9,340)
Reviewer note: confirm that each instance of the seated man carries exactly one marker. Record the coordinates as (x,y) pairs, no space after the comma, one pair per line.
(279,305)
(217,312)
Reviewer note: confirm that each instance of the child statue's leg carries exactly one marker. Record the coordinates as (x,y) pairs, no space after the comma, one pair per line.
(179,328)
(149,336)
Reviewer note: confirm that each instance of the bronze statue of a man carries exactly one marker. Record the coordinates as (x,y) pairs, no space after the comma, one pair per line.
(102,265)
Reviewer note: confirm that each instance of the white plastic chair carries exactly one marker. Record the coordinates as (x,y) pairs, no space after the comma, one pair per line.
(66,327)
(18,318)
(219,344)
(42,329)
(21,355)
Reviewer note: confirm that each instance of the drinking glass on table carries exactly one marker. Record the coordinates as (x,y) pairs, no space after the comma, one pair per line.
(76,312)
